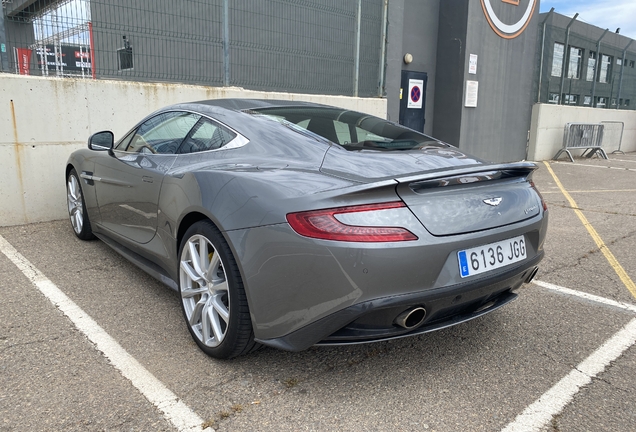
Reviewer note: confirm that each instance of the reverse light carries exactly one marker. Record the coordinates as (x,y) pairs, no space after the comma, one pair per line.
(322,224)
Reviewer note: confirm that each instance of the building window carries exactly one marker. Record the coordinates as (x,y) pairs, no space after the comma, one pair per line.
(626,102)
(570,99)
(587,100)
(557,60)
(631,63)
(613,102)
(619,61)
(574,66)
(554,98)
(606,69)
(591,64)
(601,102)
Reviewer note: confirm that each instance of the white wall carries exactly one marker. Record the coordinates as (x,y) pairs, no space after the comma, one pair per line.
(42,120)
(548,121)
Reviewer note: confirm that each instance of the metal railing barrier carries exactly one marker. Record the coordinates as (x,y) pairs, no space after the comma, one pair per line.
(582,136)
(610,135)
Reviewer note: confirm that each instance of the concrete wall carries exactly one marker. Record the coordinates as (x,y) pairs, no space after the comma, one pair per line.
(43,120)
(548,121)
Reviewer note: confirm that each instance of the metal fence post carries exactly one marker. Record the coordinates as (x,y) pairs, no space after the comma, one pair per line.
(598,59)
(543,24)
(620,80)
(385,10)
(356,75)
(4,59)
(566,57)
(226,43)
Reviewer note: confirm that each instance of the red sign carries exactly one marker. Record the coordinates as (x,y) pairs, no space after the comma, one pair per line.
(24,60)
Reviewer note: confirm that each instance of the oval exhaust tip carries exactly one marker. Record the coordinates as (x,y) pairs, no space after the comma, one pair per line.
(532,274)
(411,318)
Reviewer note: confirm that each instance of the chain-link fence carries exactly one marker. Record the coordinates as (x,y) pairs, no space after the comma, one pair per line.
(308,46)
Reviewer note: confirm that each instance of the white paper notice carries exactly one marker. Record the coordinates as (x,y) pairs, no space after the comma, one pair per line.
(472,64)
(472,88)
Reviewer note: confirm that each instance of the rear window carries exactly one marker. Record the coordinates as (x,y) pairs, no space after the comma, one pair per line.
(352,130)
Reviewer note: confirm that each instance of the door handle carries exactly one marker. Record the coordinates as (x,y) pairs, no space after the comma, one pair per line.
(147,179)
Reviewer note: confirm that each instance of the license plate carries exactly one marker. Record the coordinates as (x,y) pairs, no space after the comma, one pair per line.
(491,256)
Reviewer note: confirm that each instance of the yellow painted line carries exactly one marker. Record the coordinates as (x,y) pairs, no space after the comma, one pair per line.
(620,271)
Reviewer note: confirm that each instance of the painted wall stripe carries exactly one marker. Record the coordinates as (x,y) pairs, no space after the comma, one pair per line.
(620,271)
(173,409)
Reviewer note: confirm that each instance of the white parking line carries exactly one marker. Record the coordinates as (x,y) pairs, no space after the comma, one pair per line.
(174,410)
(590,297)
(552,402)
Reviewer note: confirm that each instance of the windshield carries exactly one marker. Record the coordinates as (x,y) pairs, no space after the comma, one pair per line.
(350,129)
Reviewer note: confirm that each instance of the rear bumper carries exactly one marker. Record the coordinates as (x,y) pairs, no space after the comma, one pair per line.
(372,320)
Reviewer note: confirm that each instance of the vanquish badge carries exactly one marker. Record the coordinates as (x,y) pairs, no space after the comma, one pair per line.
(508,31)
(493,201)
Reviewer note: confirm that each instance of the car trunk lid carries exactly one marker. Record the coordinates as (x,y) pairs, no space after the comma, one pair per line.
(471,199)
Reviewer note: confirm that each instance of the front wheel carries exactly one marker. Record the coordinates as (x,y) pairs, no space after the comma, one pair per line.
(77,207)
(212,295)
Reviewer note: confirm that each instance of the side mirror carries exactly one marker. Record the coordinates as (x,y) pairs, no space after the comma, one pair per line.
(101,141)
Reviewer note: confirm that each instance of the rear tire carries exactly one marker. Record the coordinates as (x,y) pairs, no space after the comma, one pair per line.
(77,207)
(213,299)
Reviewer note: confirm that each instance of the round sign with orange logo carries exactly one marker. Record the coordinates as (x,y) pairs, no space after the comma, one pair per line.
(508,31)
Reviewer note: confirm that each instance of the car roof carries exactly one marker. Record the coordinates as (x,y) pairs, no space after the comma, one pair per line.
(247,104)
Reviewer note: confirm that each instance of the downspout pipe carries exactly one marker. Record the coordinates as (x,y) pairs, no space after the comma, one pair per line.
(566,56)
(543,25)
(598,59)
(620,80)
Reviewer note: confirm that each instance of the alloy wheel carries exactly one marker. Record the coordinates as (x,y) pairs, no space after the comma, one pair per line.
(75,205)
(204,290)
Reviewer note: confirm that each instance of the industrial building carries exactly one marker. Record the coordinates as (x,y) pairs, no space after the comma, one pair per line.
(596,70)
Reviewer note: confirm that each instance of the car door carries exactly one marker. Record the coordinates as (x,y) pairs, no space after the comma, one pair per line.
(127,185)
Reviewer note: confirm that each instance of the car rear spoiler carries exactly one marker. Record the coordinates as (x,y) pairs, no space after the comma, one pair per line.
(505,170)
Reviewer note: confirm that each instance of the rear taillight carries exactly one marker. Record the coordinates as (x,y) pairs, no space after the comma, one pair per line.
(322,224)
(545,206)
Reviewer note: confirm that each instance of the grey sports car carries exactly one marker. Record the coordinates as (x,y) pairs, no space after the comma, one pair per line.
(291,224)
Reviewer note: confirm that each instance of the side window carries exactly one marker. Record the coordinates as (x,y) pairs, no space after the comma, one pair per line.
(163,133)
(206,135)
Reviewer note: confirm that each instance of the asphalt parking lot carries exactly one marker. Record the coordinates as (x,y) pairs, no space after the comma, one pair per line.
(568,341)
